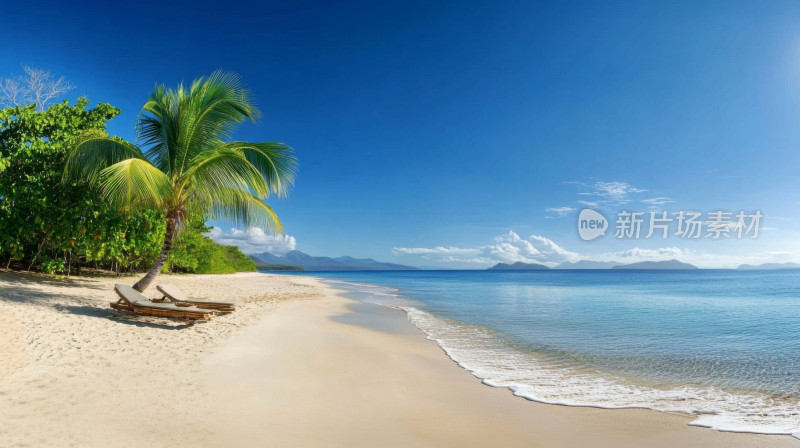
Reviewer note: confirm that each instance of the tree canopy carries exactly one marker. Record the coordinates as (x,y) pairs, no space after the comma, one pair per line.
(188,161)
(48,224)
(62,227)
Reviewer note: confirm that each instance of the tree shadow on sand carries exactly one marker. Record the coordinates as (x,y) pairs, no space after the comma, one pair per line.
(22,288)
(26,278)
(164,323)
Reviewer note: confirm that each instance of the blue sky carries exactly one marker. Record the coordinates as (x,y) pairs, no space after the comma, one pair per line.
(427,131)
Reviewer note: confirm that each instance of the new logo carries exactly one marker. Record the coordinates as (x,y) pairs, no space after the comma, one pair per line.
(591,224)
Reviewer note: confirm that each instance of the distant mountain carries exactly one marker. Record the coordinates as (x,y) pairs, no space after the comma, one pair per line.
(518,266)
(264,266)
(587,264)
(671,264)
(311,263)
(771,266)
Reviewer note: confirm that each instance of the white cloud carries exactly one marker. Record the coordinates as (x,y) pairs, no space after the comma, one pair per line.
(549,247)
(254,241)
(612,193)
(439,250)
(639,254)
(698,258)
(508,248)
(657,201)
(559,211)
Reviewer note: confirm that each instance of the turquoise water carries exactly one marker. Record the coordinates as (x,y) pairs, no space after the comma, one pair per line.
(724,345)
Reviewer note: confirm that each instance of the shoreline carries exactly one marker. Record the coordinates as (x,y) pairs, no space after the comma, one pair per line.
(459,398)
(529,373)
(697,419)
(296,365)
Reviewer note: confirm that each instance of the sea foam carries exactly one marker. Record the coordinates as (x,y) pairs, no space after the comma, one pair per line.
(480,352)
(544,378)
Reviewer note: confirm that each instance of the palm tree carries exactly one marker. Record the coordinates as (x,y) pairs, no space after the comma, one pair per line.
(186,159)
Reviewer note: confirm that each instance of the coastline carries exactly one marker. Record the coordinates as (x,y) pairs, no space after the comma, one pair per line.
(327,371)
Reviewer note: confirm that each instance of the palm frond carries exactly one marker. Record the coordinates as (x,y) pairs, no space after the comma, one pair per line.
(155,130)
(176,125)
(222,169)
(243,209)
(135,183)
(186,156)
(214,105)
(275,161)
(93,153)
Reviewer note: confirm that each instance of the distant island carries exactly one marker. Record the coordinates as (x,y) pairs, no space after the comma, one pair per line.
(518,266)
(658,265)
(788,265)
(587,264)
(308,262)
(300,261)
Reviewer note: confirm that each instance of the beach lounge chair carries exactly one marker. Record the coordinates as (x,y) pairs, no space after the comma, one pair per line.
(173,294)
(134,302)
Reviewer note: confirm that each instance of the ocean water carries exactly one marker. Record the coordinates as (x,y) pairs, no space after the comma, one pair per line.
(724,345)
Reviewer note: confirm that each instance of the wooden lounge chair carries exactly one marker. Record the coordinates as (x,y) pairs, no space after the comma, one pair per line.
(173,294)
(133,302)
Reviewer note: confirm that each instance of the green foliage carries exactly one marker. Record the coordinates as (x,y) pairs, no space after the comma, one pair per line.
(276,267)
(187,161)
(196,253)
(221,259)
(60,227)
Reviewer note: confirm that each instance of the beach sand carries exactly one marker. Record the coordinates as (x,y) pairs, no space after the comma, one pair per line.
(295,366)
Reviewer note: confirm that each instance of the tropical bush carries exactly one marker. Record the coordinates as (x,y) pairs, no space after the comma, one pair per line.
(57,227)
(186,159)
(61,227)
(194,252)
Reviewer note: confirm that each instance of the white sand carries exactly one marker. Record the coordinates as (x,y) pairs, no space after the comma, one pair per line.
(80,377)
(323,372)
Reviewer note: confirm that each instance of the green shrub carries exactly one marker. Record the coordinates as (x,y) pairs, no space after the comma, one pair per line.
(196,253)
(59,228)
(55,227)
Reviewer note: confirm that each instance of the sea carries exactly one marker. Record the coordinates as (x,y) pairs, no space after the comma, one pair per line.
(723,345)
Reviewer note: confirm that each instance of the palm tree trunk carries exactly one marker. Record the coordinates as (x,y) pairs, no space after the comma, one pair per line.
(169,235)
